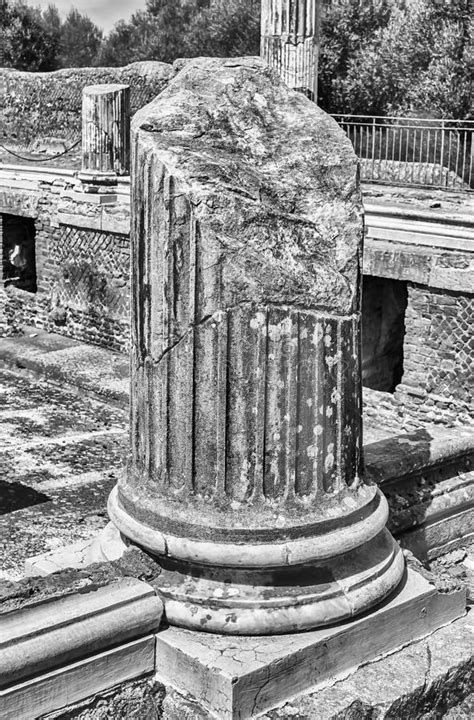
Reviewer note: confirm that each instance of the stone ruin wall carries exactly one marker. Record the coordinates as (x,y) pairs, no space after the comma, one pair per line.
(44,105)
(436,328)
(83,296)
(82,273)
(85,272)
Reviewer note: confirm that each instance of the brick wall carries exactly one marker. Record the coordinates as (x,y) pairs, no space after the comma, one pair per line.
(438,378)
(90,290)
(82,281)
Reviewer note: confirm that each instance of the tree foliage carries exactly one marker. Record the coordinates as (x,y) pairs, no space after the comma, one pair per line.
(376,57)
(37,40)
(230,28)
(396,57)
(29,40)
(169,29)
(80,40)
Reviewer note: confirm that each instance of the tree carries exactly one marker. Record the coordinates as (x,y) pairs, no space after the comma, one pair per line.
(80,41)
(346,30)
(29,43)
(53,25)
(226,29)
(170,29)
(130,41)
(443,82)
(158,33)
(396,58)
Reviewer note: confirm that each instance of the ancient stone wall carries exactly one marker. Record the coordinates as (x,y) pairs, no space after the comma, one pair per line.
(37,106)
(82,275)
(438,378)
(90,285)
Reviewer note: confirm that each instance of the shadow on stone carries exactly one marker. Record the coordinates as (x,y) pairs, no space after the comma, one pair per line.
(410,470)
(15,496)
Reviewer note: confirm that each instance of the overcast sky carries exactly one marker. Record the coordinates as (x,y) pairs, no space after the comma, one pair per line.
(104,13)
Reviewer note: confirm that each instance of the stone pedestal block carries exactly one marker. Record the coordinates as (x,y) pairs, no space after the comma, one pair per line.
(289,41)
(245,474)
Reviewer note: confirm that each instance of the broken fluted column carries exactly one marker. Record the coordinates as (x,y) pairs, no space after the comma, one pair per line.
(105,133)
(289,41)
(245,475)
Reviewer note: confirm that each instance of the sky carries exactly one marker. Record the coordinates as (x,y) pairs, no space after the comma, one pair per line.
(104,13)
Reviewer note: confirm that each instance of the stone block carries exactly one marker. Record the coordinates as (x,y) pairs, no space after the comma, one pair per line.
(241,677)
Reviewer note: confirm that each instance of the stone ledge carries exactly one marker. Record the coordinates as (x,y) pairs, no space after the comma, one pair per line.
(418,263)
(399,456)
(427,479)
(71,634)
(51,634)
(77,681)
(65,360)
(32,591)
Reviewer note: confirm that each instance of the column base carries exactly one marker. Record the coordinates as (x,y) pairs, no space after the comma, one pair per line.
(280,600)
(255,584)
(263,600)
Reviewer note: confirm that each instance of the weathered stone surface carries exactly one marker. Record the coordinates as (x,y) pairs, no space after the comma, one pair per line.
(247,675)
(63,630)
(29,592)
(246,403)
(142,700)
(424,680)
(427,680)
(258,244)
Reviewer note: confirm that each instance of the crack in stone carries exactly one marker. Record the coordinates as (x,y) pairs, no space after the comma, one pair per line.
(189,330)
(259,692)
(246,304)
(429,664)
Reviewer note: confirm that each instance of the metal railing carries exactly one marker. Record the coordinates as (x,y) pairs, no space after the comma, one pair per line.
(413,151)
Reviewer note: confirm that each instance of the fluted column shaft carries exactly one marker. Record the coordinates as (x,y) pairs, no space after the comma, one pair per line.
(289,41)
(105,131)
(270,405)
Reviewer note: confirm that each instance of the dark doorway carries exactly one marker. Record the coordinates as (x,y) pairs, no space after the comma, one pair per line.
(18,252)
(384,303)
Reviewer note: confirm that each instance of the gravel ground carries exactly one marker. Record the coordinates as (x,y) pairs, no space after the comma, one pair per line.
(60,455)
